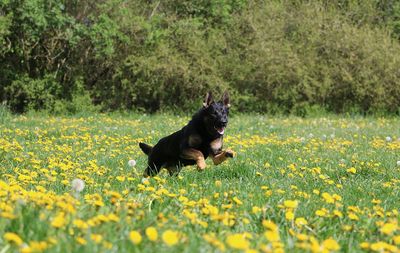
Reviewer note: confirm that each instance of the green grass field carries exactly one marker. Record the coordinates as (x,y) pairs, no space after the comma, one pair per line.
(295,185)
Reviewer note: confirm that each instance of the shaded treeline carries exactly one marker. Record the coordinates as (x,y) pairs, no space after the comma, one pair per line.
(278,56)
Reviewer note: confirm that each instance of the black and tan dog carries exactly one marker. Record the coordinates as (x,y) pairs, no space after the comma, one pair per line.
(201,137)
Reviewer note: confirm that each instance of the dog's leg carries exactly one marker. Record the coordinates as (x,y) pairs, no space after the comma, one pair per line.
(221,157)
(194,154)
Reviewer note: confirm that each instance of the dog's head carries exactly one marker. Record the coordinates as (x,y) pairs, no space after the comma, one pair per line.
(216,114)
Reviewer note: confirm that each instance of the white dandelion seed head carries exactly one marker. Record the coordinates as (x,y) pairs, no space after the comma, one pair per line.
(342,161)
(310,135)
(77,184)
(398,163)
(144,180)
(388,138)
(132,163)
(332,136)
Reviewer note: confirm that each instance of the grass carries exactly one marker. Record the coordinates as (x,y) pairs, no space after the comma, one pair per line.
(296,185)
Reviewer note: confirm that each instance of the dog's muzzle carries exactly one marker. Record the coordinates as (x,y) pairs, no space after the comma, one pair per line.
(220,128)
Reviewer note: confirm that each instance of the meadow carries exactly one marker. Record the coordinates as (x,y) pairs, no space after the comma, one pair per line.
(325,184)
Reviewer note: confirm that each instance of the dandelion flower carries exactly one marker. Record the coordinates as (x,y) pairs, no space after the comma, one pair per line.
(352,170)
(388,138)
(398,163)
(388,228)
(272,236)
(237,241)
(132,163)
(301,221)
(59,221)
(331,244)
(135,237)
(77,184)
(152,234)
(170,237)
(289,215)
(290,203)
(12,237)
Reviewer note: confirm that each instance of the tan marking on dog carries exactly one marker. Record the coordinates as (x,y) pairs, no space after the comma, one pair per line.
(194,140)
(216,145)
(221,157)
(194,154)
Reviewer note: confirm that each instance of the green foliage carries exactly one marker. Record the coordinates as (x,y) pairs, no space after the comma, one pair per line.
(32,94)
(275,56)
(5,114)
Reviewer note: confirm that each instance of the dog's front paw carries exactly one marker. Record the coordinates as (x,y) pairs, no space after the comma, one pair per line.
(230,153)
(201,165)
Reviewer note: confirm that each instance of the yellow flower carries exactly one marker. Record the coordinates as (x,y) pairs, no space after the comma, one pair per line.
(353,216)
(120,178)
(396,239)
(272,236)
(330,244)
(256,209)
(328,198)
(337,213)
(96,238)
(80,224)
(59,221)
(302,237)
(388,228)
(12,237)
(321,213)
(352,170)
(152,234)
(347,228)
(290,203)
(289,215)
(269,225)
(170,237)
(218,183)
(237,201)
(81,240)
(378,246)
(376,201)
(135,237)
(315,191)
(237,241)
(301,221)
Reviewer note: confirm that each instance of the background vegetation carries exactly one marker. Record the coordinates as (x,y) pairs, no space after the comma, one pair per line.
(278,56)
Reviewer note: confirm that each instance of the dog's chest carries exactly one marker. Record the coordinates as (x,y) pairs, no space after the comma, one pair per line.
(216,145)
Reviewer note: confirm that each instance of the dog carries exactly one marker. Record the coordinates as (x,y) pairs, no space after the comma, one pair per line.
(200,138)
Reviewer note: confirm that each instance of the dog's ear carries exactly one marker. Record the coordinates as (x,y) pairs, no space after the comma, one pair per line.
(208,100)
(225,99)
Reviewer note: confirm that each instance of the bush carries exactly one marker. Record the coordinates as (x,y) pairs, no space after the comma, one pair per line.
(276,56)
